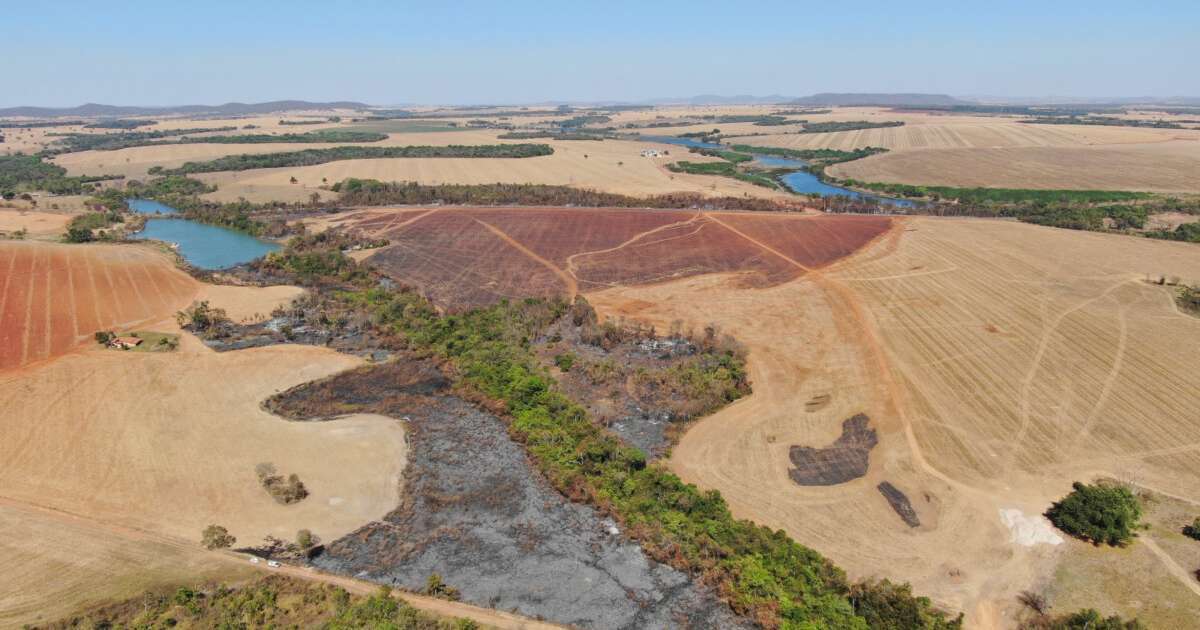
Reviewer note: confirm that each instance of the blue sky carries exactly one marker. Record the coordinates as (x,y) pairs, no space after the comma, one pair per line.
(172,53)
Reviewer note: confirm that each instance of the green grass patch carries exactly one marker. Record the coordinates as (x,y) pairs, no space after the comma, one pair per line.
(1000,195)
(849,125)
(153,341)
(723,169)
(825,156)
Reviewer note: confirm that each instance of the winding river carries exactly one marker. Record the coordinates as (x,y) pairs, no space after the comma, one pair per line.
(799,181)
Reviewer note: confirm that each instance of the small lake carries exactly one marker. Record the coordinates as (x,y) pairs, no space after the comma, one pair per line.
(203,246)
(147,206)
(800,182)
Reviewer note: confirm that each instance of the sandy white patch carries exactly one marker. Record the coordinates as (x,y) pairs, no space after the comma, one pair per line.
(1028,531)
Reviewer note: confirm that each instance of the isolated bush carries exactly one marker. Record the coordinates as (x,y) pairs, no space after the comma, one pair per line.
(216,537)
(305,539)
(435,587)
(102,337)
(202,319)
(1033,601)
(1193,530)
(1100,513)
(565,361)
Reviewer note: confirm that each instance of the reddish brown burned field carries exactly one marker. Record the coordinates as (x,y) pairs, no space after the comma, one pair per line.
(473,256)
(54,297)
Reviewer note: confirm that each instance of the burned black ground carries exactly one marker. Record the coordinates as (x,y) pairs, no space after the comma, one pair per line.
(846,459)
(474,512)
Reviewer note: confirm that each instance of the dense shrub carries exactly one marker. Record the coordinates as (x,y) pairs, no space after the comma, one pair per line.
(848,125)
(889,606)
(205,321)
(1083,620)
(1100,513)
(284,490)
(1192,531)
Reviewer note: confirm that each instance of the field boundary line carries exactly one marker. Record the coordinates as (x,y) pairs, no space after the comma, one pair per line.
(568,279)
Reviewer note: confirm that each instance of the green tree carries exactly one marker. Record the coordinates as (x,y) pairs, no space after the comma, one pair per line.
(1100,513)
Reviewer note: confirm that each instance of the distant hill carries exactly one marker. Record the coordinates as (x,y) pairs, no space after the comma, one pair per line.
(717,99)
(884,100)
(228,109)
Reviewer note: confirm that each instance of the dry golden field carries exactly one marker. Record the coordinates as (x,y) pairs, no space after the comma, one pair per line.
(1166,167)
(168,442)
(36,224)
(998,151)
(611,165)
(57,563)
(158,444)
(999,362)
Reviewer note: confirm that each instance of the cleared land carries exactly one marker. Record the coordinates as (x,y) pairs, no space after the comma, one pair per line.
(53,297)
(471,256)
(998,362)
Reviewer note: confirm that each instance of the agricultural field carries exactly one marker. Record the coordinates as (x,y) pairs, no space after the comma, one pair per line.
(999,151)
(1171,166)
(1085,373)
(53,297)
(472,256)
(58,563)
(609,165)
(98,440)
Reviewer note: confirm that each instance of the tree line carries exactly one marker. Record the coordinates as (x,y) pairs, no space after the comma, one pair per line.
(370,192)
(310,157)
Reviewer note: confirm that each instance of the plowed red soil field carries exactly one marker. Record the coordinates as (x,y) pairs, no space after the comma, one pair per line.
(464,257)
(54,297)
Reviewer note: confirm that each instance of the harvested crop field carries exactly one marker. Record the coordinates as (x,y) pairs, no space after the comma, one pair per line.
(1170,167)
(57,563)
(54,297)
(154,445)
(998,363)
(71,444)
(472,256)
(610,166)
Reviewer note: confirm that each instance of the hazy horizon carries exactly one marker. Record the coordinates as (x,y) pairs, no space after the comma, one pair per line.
(471,53)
